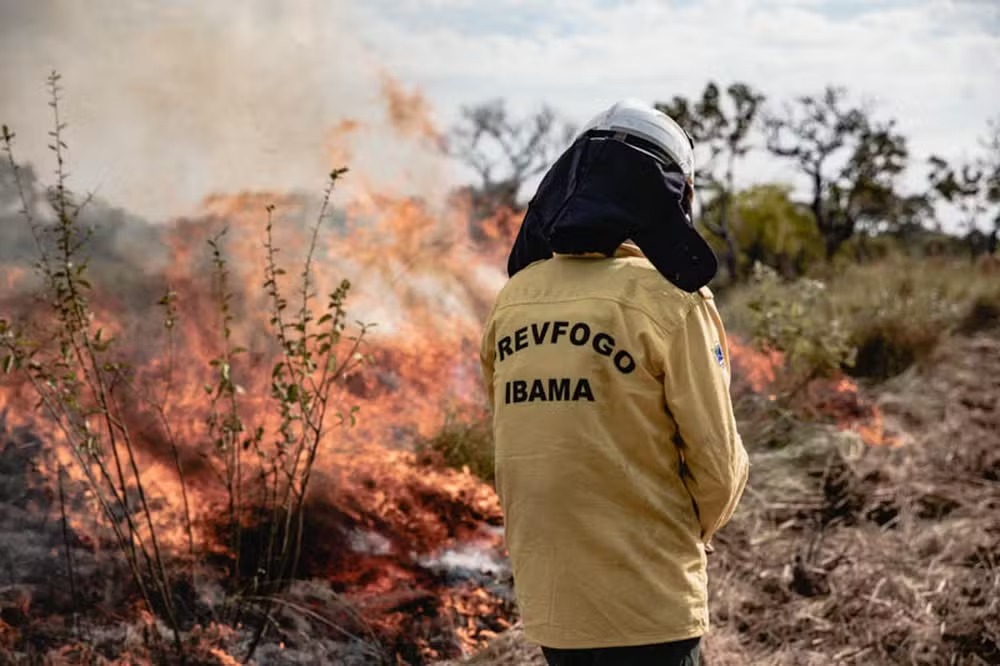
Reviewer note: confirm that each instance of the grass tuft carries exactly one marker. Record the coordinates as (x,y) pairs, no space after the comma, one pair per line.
(464,442)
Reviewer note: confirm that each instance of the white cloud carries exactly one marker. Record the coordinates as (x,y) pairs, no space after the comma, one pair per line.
(933,65)
(169,100)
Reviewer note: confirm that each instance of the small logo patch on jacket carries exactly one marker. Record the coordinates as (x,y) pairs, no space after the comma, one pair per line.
(720,357)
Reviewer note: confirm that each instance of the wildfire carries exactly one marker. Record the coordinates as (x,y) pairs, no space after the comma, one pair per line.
(376,519)
(338,141)
(381,530)
(414,550)
(14,276)
(841,399)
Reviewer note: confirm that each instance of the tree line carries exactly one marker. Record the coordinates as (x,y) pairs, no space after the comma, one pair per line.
(850,159)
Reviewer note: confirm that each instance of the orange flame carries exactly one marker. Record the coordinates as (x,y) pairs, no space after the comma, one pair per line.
(409,111)
(838,398)
(759,369)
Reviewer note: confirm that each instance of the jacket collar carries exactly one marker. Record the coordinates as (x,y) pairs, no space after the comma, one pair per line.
(626,249)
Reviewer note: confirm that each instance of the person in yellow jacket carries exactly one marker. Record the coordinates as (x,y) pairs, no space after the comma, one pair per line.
(605,359)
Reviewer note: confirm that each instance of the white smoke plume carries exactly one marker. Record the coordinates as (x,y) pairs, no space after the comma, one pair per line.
(169,100)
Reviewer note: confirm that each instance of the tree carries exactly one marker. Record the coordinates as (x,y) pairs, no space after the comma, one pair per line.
(775,231)
(991,159)
(912,215)
(505,151)
(963,187)
(720,126)
(852,162)
(973,189)
(991,164)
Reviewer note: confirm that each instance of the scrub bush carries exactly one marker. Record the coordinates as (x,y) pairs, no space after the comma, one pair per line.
(873,320)
(798,319)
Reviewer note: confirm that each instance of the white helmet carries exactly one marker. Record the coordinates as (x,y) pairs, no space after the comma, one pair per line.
(633,118)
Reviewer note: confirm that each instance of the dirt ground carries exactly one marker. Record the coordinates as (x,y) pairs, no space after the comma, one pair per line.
(843,553)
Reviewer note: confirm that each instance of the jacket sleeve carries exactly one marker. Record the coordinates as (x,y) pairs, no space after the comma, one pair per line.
(696,383)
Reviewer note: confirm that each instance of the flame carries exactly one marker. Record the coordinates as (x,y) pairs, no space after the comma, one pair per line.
(841,399)
(409,111)
(757,368)
(410,268)
(338,141)
(838,398)
(420,274)
(11,277)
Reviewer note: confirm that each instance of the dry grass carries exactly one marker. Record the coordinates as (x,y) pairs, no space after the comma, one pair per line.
(894,311)
(876,556)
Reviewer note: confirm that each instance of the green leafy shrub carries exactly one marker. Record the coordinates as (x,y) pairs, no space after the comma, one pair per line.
(772,229)
(798,319)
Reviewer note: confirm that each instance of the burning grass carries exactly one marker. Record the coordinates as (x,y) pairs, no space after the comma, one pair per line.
(399,561)
(232,477)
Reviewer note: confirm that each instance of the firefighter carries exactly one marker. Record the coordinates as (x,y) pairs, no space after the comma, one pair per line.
(605,359)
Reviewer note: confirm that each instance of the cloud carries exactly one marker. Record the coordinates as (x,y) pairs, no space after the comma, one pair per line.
(934,65)
(171,100)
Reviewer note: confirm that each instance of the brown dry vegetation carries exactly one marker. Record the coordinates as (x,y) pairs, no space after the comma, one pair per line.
(851,554)
(875,555)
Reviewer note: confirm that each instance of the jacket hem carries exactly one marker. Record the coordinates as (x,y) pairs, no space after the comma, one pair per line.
(550,641)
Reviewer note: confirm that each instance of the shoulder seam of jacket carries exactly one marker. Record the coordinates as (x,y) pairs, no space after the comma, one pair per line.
(626,305)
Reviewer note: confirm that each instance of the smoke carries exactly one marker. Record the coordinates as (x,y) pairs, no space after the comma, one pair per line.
(169,101)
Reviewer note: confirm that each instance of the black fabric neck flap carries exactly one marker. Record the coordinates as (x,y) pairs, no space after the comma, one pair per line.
(601,192)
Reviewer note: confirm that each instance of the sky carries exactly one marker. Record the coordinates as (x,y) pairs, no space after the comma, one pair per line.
(169,100)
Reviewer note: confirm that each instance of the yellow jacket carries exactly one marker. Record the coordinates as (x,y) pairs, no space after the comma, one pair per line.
(617,455)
